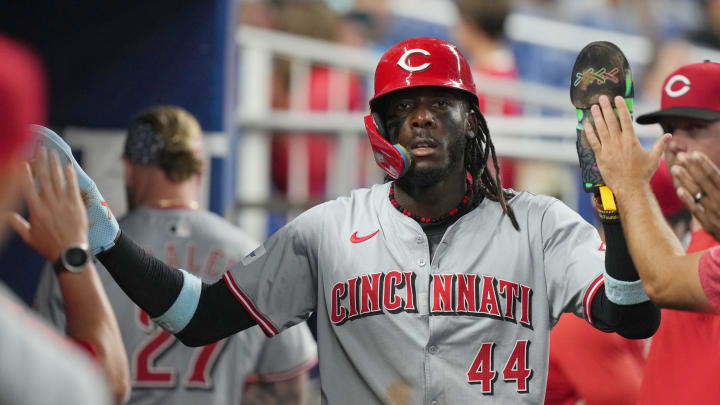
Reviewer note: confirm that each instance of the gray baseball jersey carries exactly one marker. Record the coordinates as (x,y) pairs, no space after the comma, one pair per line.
(165,371)
(396,327)
(39,366)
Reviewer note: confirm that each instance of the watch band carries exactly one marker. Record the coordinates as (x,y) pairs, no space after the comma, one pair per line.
(58,266)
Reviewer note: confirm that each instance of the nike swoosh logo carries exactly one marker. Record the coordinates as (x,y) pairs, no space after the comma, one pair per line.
(354,238)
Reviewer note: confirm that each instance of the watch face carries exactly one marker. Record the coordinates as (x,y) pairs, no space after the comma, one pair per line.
(75,257)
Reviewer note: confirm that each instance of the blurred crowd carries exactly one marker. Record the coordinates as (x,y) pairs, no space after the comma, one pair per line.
(677,31)
(673,28)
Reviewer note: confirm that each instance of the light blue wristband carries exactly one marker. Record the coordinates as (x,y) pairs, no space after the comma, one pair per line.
(624,292)
(182,310)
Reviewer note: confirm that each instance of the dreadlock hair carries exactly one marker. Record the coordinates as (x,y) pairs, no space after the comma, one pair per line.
(477,152)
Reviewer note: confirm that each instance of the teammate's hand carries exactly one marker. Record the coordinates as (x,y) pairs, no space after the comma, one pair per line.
(57,212)
(622,161)
(698,186)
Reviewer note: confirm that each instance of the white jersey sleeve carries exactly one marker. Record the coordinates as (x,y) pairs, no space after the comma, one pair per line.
(574,259)
(39,366)
(287,355)
(277,282)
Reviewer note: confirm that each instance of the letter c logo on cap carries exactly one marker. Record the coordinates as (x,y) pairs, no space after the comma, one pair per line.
(679,92)
(402,62)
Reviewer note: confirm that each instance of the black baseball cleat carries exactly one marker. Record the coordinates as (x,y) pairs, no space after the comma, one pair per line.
(600,68)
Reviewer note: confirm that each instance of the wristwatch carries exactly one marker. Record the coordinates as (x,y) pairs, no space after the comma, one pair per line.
(73,258)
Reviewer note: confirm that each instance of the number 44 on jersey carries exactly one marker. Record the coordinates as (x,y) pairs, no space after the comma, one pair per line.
(516,368)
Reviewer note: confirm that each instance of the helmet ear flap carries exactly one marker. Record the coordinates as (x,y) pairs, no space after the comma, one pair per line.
(379,125)
(393,159)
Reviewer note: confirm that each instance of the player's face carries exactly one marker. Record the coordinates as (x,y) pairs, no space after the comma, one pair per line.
(431,124)
(690,135)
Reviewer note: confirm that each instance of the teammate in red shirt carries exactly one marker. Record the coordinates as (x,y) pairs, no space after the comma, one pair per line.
(680,367)
(618,362)
(680,351)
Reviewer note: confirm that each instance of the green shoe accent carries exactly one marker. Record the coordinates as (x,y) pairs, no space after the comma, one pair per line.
(630,102)
(628,83)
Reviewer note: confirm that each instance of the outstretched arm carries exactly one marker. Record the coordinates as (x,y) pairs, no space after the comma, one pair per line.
(196,312)
(669,276)
(57,219)
(178,301)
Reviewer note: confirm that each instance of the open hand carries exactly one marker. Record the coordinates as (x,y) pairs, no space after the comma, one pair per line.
(57,212)
(621,159)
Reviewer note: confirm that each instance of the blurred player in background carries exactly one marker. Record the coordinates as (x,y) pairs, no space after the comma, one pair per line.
(164,163)
(481,33)
(39,366)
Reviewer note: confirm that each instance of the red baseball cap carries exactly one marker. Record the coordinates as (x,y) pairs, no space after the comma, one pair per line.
(664,190)
(693,91)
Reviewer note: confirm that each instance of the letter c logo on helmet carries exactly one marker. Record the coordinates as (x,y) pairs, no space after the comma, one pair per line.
(402,62)
(682,90)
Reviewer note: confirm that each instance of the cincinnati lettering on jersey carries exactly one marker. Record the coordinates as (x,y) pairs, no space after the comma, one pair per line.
(450,294)
(480,295)
(371,294)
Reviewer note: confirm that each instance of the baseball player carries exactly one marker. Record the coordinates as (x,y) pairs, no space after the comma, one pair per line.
(163,159)
(438,287)
(678,369)
(38,366)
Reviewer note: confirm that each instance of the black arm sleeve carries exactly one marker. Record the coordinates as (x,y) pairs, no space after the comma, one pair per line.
(150,283)
(154,286)
(218,315)
(618,262)
(637,321)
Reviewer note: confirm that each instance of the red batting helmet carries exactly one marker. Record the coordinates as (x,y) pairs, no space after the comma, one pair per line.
(419,62)
(413,62)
